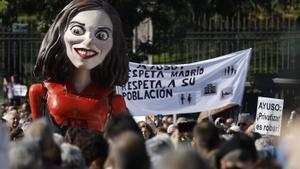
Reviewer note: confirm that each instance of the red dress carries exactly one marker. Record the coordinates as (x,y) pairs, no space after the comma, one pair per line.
(89,108)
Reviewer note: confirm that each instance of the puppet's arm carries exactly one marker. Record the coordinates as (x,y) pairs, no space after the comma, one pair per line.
(118,105)
(36,93)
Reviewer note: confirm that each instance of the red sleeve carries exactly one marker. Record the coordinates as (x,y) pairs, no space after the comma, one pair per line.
(36,93)
(118,105)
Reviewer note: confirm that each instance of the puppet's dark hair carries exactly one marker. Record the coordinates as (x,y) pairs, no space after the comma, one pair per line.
(52,61)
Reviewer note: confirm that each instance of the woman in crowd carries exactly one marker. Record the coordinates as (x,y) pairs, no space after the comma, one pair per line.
(146,130)
(12,118)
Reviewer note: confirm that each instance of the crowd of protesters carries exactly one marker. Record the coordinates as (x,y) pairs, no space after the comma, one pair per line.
(151,144)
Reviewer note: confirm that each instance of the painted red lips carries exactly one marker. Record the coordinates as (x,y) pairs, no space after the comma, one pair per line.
(85,53)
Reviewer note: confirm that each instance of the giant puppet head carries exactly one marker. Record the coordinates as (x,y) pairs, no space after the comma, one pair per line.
(86,34)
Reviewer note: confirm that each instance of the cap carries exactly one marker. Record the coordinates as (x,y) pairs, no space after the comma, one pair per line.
(235,128)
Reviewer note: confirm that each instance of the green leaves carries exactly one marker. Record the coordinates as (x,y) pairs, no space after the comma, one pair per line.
(3,6)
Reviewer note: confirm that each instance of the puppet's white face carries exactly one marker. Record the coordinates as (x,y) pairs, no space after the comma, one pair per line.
(88,38)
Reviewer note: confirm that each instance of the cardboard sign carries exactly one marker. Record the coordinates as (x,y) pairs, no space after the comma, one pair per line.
(20,90)
(268,116)
(186,88)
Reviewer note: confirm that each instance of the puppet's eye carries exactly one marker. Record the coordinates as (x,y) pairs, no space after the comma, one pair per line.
(102,35)
(77,30)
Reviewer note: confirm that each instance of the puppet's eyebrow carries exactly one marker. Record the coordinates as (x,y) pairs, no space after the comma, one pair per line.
(104,28)
(76,22)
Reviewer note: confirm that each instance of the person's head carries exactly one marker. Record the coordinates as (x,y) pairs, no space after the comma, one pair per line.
(161,130)
(11,107)
(146,130)
(229,122)
(158,146)
(264,142)
(25,107)
(25,155)
(240,148)
(171,129)
(288,148)
(254,135)
(16,134)
(128,151)
(185,128)
(41,133)
(12,117)
(119,124)
(58,139)
(206,136)
(2,109)
(245,120)
(293,117)
(181,119)
(14,79)
(219,122)
(71,157)
(86,34)
(182,159)
(234,130)
(267,164)
(166,121)
(169,119)
(237,159)
(92,144)
(25,112)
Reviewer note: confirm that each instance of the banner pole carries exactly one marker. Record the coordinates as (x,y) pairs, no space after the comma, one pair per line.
(174,118)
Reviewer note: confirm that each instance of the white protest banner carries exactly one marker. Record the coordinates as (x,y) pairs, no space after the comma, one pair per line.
(186,88)
(268,116)
(20,90)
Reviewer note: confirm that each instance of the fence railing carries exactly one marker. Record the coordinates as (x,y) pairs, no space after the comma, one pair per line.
(18,54)
(275,42)
(273,52)
(244,23)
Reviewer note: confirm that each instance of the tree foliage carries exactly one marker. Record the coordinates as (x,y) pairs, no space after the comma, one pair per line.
(166,15)
(11,10)
(3,6)
(47,14)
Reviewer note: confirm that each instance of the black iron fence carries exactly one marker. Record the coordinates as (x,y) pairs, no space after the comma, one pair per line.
(275,42)
(276,50)
(18,53)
